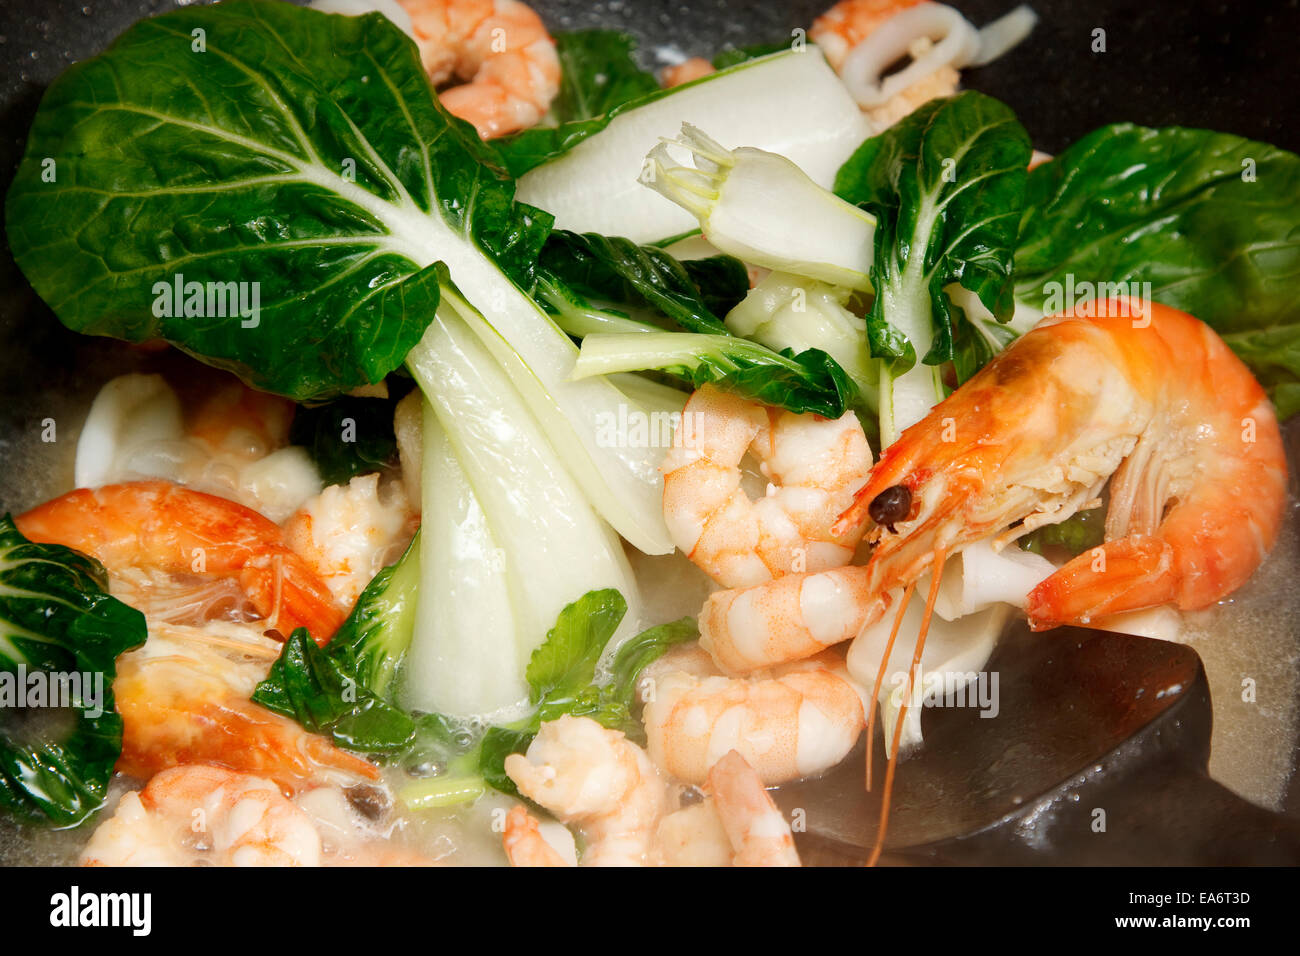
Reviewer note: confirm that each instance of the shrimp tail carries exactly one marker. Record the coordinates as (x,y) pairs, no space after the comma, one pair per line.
(1117,576)
(524,843)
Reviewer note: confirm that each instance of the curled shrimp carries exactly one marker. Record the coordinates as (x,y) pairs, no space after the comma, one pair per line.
(1139,394)
(792,722)
(789,619)
(814,465)
(171,529)
(500,47)
(598,781)
(184,698)
(198,814)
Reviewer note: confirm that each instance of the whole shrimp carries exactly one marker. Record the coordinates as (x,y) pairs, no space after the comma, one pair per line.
(500,47)
(174,530)
(1137,393)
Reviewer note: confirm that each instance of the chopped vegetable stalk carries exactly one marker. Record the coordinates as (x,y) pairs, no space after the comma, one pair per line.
(622,481)
(578,318)
(765,210)
(807,382)
(462,569)
(554,546)
(788,312)
(791,103)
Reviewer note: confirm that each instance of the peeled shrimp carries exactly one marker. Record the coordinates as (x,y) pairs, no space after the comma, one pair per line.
(524,843)
(203,815)
(184,698)
(795,721)
(815,464)
(788,619)
(736,822)
(171,529)
(598,781)
(348,533)
(757,830)
(504,51)
(198,814)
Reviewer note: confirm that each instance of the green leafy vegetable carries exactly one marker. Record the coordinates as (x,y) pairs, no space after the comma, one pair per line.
(691,293)
(319,690)
(737,55)
(60,635)
(565,663)
(1076,534)
(347,437)
(299,163)
(946,185)
(1210,220)
(597,74)
(599,80)
(345,689)
(561,677)
(811,381)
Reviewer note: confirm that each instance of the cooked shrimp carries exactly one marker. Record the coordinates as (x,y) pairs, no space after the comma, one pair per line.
(524,843)
(348,533)
(694,836)
(684,72)
(504,51)
(788,619)
(795,721)
(848,23)
(598,781)
(200,814)
(758,832)
(735,824)
(1199,472)
(172,529)
(814,464)
(184,698)
(1137,393)
(844,27)
(235,420)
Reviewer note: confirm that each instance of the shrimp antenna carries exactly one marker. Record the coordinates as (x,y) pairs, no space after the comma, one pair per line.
(880,677)
(935,574)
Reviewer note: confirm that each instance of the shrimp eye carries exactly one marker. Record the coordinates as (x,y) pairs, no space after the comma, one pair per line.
(891,505)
